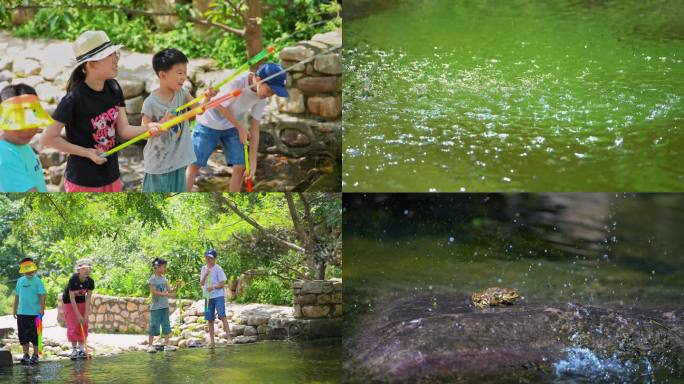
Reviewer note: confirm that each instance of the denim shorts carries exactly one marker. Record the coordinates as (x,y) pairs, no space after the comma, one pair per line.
(217,304)
(205,140)
(159,318)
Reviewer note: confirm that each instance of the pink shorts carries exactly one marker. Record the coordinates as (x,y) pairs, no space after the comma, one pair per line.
(116,186)
(73,326)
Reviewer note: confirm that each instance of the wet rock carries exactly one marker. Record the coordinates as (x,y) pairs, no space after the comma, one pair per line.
(293,137)
(329,106)
(3,84)
(330,64)
(296,53)
(250,331)
(315,311)
(237,329)
(26,67)
(245,339)
(453,341)
(321,84)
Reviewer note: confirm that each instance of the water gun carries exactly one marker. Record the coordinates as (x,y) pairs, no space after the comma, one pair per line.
(257,58)
(249,176)
(176,120)
(85,343)
(39,328)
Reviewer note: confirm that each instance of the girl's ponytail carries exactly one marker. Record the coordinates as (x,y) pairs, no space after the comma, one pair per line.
(77,76)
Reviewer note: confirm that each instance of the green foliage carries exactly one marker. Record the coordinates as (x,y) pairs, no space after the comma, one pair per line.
(268,290)
(125,22)
(6,300)
(123,233)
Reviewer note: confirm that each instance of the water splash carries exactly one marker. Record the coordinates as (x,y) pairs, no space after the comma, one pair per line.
(582,363)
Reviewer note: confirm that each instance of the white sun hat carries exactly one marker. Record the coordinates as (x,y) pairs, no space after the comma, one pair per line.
(93,46)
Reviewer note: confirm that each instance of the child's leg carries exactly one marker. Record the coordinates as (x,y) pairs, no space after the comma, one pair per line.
(221,309)
(235,155)
(25,347)
(166,325)
(190,177)
(236,178)
(204,141)
(211,333)
(35,348)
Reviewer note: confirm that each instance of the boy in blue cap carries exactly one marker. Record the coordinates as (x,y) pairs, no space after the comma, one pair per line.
(212,280)
(224,123)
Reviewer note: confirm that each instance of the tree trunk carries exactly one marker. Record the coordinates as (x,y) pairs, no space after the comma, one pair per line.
(253,34)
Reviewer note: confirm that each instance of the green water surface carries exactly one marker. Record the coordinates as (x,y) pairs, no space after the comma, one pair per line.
(501,95)
(264,362)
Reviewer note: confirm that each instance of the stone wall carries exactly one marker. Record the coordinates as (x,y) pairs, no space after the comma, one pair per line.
(309,121)
(315,299)
(119,314)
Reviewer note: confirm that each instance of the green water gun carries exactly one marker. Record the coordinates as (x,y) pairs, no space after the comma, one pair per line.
(257,58)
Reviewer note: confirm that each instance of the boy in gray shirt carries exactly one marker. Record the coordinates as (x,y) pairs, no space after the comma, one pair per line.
(159,310)
(168,155)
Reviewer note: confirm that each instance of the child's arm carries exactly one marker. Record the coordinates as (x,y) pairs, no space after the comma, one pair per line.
(203,278)
(52,138)
(74,307)
(16,304)
(127,131)
(155,292)
(225,112)
(87,304)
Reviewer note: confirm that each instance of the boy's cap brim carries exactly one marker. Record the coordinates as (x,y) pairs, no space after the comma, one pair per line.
(280,90)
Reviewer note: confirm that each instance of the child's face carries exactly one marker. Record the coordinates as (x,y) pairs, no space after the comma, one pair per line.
(160,269)
(84,272)
(19,137)
(175,77)
(30,274)
(264,91)
(210,260)
(107,68)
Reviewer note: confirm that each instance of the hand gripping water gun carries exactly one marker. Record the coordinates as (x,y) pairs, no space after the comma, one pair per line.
(176,120)
(257,58)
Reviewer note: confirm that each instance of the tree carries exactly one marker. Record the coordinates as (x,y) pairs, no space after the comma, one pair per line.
(318,239)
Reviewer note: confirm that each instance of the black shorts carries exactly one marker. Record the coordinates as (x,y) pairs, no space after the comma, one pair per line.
(28,333)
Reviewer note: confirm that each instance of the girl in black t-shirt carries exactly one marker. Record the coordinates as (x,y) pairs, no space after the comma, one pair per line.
(76,299)
(94,113)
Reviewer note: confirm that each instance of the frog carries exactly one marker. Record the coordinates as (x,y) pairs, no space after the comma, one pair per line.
(493,296)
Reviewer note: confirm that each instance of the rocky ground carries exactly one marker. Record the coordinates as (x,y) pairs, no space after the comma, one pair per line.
(248,323)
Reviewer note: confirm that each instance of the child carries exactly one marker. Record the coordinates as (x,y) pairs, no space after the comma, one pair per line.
(29,303)
(224,123)
(93,112)
(21,118)
(76,299)
(167,156)
(212,280)
(159,310)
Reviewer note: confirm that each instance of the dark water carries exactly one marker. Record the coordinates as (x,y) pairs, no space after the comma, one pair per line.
(499,95)
(263,362)
(619,251)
